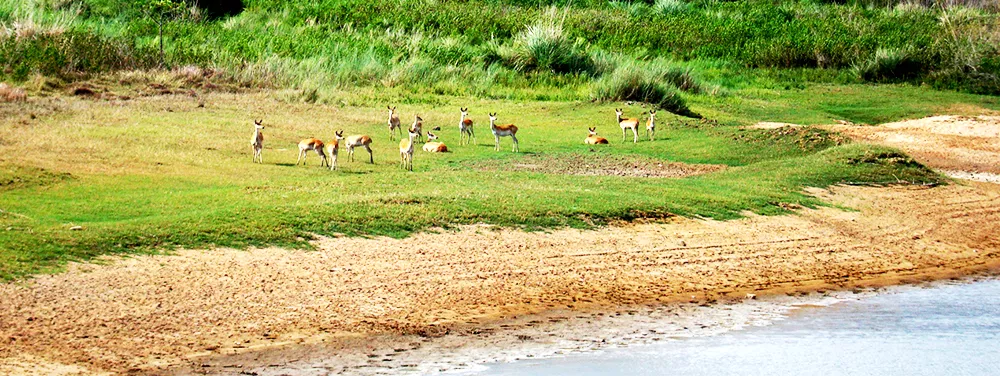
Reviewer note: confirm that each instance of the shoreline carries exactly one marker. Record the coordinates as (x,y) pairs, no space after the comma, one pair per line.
(182,313)
(562,332)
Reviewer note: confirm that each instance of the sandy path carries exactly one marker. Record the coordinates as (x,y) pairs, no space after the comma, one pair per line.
(949,143)
(150,311)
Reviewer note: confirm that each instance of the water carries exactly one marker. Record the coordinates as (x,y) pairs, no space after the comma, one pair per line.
(949,329)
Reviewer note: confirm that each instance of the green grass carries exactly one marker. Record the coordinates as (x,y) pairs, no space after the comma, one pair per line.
(161,173)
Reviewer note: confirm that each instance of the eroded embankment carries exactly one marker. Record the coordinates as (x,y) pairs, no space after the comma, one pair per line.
(152,311)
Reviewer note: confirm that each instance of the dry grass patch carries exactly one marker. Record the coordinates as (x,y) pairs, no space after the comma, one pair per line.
(12,94)
(599,165)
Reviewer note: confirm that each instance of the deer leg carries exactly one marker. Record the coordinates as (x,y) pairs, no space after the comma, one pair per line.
(635,135)
(514,138)
(371,158)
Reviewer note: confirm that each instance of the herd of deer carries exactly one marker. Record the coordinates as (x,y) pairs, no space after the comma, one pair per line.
(328,151)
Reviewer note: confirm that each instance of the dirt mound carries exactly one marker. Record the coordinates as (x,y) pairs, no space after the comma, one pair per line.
(953,143)
(148,311)
(598,165)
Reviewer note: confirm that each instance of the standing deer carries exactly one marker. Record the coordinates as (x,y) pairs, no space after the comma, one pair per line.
(434,147)
(418,126)
(359,140)
(333,148)
(310,144)
(593,139)
(406,151)
(394,123)
(258,141)
(627,123)
(502,131)
(651,125)
(465,128)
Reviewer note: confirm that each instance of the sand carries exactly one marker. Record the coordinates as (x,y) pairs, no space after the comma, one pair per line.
(352,302)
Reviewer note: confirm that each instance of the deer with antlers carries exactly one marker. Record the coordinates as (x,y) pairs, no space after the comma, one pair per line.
(502,131)
(258,141)
(394,123)
(465,128)
(593,139)
(333,148)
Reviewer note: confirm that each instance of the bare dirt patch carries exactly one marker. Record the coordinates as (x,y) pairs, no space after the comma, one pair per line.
(598,165)
(955,143)
(147,312)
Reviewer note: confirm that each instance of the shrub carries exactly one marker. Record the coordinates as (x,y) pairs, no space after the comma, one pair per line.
(544,46)
(630,83)
(890,65)
(671,6)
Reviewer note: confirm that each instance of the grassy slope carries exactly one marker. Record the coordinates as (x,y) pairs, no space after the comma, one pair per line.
(160,173)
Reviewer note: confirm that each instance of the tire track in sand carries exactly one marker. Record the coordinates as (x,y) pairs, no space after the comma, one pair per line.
(146,312)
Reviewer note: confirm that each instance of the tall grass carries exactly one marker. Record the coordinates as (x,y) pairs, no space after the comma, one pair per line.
(440,46)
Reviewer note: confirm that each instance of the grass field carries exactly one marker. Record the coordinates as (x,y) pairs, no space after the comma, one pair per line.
(156,173)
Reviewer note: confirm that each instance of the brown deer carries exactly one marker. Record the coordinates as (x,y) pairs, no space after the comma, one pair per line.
(258,141)
(359,140)
(628,123)
(406,151)
(394,124)
(465,128)
(502,131)
(333,148)
(651,125)
(593,139)
(434,147)
(310,144)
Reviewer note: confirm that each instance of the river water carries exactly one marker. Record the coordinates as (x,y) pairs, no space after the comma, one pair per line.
(943,329)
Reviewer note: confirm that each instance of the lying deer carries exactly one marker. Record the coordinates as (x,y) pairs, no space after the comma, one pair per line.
(593,139)
(434,147)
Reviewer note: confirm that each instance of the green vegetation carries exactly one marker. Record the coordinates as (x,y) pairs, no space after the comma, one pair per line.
(506,49)
(144,171)
(153,174)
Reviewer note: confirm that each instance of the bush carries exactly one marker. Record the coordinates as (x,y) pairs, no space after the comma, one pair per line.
(631,83)
(68,53)
(544,46)
(890,65)
(671,6)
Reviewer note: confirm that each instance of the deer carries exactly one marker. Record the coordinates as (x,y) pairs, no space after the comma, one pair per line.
(651,125)
(502,131)
(465,128)
(593,139)
(333,148)
(628,123)
(258,141)
(394,123)
(359,140)
(434,147)
(418,126)
(406,150)
(310,144)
